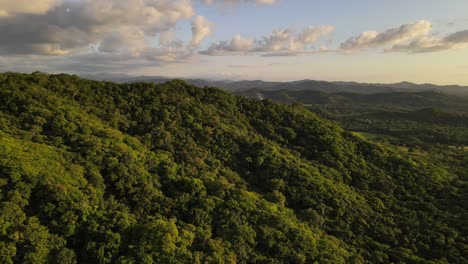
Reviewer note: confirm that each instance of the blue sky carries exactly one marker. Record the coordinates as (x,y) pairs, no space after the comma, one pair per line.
(361,40)
(349,17)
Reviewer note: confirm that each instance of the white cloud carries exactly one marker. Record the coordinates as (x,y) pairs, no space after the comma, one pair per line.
(281,42)
(201,28)
(89,35)
(279,39)
(434,43)
(409,38)
(97,35)
(237,45)
(421,45)
(373,39)
(311,34)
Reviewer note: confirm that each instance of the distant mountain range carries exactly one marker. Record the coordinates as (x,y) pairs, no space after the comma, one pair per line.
(323,86)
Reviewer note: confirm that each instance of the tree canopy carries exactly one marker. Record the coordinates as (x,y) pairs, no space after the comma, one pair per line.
(97,172)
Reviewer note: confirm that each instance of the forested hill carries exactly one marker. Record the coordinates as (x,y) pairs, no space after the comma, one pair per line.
(423,119)
(349,102)
(96,172)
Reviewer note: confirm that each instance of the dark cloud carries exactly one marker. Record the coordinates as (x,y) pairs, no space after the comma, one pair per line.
(457,37)
(68,27)
(90,35)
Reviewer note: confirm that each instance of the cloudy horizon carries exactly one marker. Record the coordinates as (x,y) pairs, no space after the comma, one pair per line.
(272,40)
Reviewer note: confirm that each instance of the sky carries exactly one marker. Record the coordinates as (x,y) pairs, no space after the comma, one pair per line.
(385,41)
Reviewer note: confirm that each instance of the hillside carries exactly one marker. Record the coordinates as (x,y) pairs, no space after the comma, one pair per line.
(344,102)
(412,117)
(98,172)
(417,127)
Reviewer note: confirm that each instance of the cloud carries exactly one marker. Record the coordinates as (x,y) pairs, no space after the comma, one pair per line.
(457,37)
(124,40)
(237,45)
(281,42)
(71,27)
(421,45)
(110,35)
(201,28)
(434,43)
(174,52)
(408,38)
(312,34)
(12,7)
(237,2)
(373,39)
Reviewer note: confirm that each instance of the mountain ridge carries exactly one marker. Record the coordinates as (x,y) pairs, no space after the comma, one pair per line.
(306,84)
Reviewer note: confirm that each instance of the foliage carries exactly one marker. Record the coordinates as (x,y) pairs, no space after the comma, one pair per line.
(97,172)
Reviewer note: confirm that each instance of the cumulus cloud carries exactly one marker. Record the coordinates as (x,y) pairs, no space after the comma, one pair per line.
(281,42)
(89,34)
(237,45)
(201,28)
(409,38)
(421,45)
(70,26)
(237,2)
(434,43)
(373,39)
